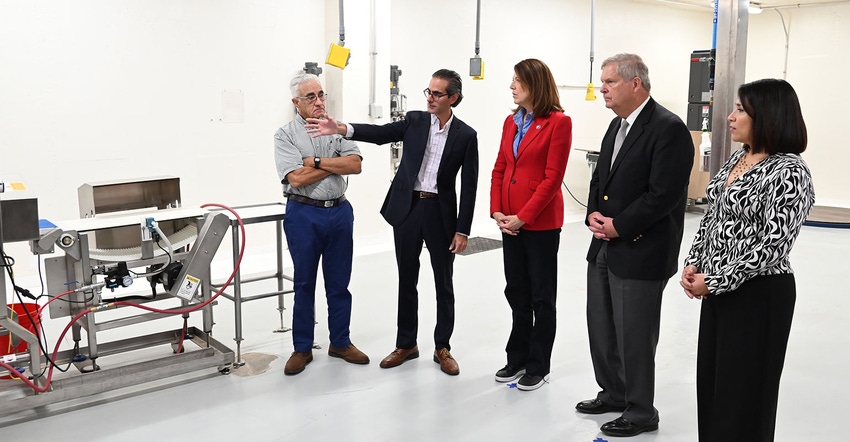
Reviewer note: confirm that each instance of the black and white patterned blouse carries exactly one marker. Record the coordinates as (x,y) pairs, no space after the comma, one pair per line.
(751,225)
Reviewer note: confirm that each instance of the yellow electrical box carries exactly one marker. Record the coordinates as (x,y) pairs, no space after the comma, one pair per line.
(338,56)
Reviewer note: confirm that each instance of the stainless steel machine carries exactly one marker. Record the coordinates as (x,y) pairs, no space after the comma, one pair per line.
(398,107)
(132,233)
(18,222)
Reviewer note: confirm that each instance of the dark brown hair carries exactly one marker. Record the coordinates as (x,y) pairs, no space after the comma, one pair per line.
(455,84)
(778,124)
(536,77)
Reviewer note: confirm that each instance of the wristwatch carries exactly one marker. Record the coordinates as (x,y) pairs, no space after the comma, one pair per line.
(317,162)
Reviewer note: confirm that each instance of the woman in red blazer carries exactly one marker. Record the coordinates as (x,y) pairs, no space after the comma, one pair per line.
(527,204)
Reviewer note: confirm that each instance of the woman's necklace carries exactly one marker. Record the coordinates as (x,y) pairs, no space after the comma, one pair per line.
(744,164)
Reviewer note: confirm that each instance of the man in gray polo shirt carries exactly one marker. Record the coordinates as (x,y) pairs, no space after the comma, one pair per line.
(319,223)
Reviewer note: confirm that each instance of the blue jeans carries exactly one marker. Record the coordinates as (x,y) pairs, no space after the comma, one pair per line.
(326,233)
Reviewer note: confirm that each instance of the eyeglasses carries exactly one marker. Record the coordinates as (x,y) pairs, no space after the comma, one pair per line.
(312,97)
(437,95)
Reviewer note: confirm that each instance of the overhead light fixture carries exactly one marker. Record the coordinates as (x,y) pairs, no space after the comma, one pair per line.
(754,8)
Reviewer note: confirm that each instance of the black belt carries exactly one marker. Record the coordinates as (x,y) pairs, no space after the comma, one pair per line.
(422,195)
(316,203)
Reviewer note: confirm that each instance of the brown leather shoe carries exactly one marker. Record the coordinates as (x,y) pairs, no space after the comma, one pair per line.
(349,353)
(399,355)
(297,362)
(446,361)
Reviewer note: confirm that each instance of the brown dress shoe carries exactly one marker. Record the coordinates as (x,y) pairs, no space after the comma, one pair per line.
(349,353)
(399,355)
(297,362)
(446,361)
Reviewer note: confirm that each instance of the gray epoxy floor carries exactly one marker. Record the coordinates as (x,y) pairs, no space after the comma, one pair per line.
(335,401)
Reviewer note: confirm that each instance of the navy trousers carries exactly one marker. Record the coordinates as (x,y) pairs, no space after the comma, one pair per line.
(326,233)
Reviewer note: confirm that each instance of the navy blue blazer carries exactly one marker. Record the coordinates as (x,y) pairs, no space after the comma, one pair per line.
(460,155)
(645,192)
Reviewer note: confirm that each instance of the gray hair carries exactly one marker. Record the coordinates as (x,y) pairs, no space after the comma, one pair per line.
(630,66)
(300,79)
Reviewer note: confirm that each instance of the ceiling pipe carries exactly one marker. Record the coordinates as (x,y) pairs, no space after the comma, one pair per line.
(787,39)
(590,96)
(374,109)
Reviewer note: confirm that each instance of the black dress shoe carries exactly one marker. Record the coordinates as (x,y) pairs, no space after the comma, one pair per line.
(620,427)
(596,406)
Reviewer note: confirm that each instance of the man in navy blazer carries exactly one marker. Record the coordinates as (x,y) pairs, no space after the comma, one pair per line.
(422,205)
(635,211)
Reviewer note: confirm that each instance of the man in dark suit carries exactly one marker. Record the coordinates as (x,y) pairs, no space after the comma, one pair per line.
(635,211)
(422,205)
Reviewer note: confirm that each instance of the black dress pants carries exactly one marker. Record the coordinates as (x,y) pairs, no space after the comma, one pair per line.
(531,276)
(424,223)
(743,336)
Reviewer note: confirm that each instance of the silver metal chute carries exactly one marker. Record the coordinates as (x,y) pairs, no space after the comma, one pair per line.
(197,264)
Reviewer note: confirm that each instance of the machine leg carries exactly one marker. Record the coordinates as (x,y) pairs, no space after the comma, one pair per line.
(237,298)
(280,305)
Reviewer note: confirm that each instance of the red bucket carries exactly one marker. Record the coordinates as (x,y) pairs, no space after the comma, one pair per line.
(18,313)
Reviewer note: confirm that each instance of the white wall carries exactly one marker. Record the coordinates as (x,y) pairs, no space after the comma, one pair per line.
(441,33)
(98,90)
(106,89)
(819,37)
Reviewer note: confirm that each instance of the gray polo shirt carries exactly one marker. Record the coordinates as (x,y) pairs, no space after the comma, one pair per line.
(292,144)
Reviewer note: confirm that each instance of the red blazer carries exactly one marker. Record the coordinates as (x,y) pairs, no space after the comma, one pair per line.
(529,186)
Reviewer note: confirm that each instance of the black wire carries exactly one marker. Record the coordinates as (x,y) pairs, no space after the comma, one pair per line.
(8,261)
(69,301)
(571,194)
(170,259)
(130,298)
(40,276)
(166,253)
(43,294)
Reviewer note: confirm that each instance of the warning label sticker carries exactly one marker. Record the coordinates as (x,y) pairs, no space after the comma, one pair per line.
(188,287)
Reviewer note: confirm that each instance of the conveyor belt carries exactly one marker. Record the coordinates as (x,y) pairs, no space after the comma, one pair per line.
(181,238)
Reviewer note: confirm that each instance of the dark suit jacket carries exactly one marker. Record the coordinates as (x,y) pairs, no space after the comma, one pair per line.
(529,186)
(461,152)
(645,192)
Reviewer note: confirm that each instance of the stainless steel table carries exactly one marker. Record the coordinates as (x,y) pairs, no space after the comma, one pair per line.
(255,214)
(591,156)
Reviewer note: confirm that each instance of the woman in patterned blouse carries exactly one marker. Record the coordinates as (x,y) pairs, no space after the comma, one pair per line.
(738,265)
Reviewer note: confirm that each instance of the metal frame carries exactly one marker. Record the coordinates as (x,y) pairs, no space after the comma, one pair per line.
(7,325)
(19,402)
(255,214)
